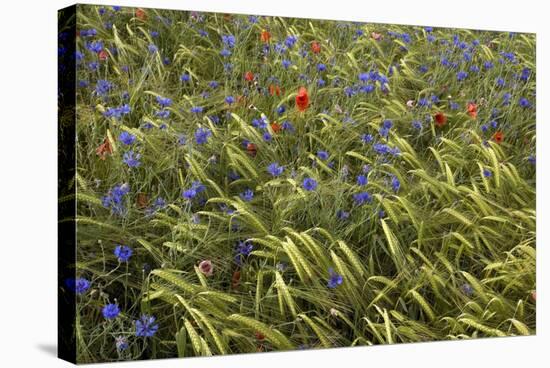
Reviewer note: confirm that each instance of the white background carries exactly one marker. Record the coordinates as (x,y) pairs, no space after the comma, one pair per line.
(28,181)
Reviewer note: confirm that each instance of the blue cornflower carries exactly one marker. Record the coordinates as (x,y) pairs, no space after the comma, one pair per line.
(454,105)
(228,40)
(127,138)
(189,193)
(488,65)
(362,180)
(387,124)
(506,98)
(123,253)
(131,158)
(431,38)
(342,215)
(461,75)
(334,279)
(274,169)
(287,125)
(323,155)
(494,124)
(163,114)
(286,63)
(484,128)
(532,160)
(196,188)
(230,100)
(417,124)
(202,135)
(381,148)
(78,286)
(102,87)
(487,173)
(364,77)
(281,109)
(88,32)
(146,326)
(349,91)
(164,101)
(474,69)
(113,199)
(321,67)
(197,109)
(225,52)
(227,67)
(367,88)
(525,73)
(290,41)
(213,84)
(110,311)
(247,195)
(267,137)
(185,77)
(309,184)
(321,82)
(121,343)
(95,46)
(242,249)
(500,82)
(152,48)
(395,184)
(523,102)
(362,198)
(367,138)
(384,132)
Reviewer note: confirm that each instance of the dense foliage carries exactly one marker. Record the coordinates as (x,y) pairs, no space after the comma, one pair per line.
(263,183)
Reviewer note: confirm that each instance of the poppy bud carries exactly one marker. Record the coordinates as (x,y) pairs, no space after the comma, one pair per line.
(498,137)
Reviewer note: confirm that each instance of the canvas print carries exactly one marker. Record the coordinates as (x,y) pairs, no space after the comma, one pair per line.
(234,183)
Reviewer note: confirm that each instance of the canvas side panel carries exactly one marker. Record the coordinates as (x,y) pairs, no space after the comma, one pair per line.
(67,283)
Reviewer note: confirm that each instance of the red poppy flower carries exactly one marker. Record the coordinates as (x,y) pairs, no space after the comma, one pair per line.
(141,14)
(235,279)
(265,36)
(249,76)
(103,55)
(274,90)
(440,119)
(315,47)
(260,336)
(251,149)
(104,149)
(302,99)
(275,127)
(472,109)
(498,137)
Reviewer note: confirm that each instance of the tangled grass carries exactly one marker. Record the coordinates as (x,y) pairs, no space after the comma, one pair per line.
(230,255)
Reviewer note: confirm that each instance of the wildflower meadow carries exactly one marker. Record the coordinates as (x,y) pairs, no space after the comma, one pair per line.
(255,183)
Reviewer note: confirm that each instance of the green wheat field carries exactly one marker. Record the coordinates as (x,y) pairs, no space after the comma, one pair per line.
(253,184)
